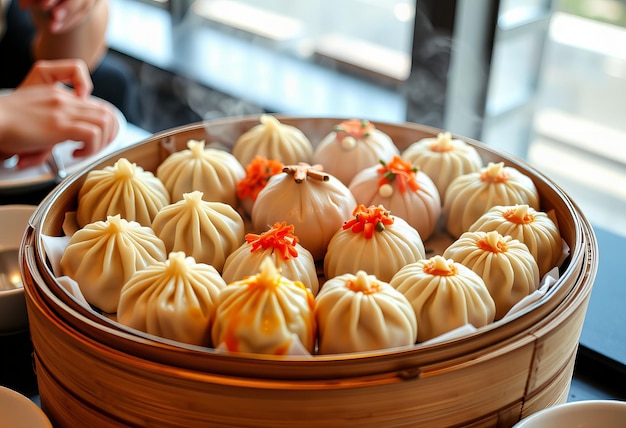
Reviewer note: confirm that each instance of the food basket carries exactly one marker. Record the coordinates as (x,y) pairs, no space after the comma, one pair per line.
(93,371)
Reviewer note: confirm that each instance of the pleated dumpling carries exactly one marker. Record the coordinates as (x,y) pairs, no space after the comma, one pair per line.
(125,189)
(206,231)
(359,313)
(273,140)
(265,313)
(352,146)
(443,158)
(103,255)
(529,226)
(403,189)
(214,172)
(471,195)
(281,245)
(373,241)
(173,299)
(315,203)
(505,264)
(445,295)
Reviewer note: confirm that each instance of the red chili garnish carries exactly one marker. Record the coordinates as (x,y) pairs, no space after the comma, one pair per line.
(369,220)
(258,172)
(280,237)
(400,171)
(355,128)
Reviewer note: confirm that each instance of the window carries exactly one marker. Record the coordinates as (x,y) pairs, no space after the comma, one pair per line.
(370,35)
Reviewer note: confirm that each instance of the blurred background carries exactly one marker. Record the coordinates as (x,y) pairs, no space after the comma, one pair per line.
(544,80)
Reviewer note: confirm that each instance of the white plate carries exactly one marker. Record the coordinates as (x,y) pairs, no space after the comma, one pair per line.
(579,414)
(13,179)
(17,411)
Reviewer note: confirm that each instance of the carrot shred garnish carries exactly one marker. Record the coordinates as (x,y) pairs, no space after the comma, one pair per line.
(279,237)
(258,172)
(369,220)
(400,171)
(355,128)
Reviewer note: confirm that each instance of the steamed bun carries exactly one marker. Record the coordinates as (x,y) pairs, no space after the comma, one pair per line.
(352,146)
(273,140)
(505,264)
(103,255)
(265,313)
(445,295)
(471,195)
(280,244)
(358,313)
(213,172)
(443,158)
(403,189)
(373,241)
(125,189)
(206,231)
(173,299)
(315,203)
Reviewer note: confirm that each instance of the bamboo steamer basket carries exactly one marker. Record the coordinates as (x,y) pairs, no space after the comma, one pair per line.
(94,371)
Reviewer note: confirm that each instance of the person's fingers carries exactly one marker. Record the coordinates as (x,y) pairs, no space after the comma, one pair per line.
(106,119)
(69,71)
(91,137)
(56,115)
(32,159)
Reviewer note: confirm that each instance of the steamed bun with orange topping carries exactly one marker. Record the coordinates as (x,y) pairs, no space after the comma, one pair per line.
(471,195)
(443,158)
(352,146)
(445,295)
(359,313)
(401,188)
(505,264)
(280,244)
(374,241)
(265,313)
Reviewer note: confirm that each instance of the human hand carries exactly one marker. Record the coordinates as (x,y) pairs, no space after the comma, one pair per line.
(35,118)
(62,15)
(73,72)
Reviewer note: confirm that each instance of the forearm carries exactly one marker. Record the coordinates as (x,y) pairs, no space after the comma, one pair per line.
(86,40)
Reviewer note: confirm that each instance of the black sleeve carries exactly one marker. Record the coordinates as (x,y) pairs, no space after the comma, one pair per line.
(16,56)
